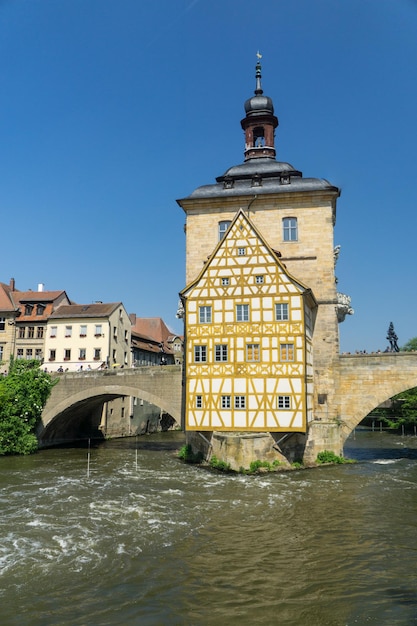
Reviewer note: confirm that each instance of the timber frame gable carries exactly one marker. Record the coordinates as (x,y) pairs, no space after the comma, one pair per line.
(248,339)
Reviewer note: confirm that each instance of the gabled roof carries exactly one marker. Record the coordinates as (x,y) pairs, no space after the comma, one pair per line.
(93,310)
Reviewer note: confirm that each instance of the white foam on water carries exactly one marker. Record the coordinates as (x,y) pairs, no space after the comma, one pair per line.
(385,461)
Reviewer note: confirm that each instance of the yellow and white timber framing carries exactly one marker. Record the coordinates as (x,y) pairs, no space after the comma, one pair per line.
(249,327)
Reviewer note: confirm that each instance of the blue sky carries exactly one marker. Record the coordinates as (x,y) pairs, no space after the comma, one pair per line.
(110,110)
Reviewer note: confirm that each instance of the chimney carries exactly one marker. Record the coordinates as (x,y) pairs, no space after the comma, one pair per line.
(41,286)
(12,284)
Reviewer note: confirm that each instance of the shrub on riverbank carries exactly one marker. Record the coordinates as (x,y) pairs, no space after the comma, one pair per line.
(23,394)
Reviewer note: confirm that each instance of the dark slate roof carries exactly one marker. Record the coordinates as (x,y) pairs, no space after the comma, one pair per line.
(272,177)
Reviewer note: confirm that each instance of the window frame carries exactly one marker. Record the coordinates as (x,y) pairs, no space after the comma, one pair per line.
(221,353)
(253,350)
(285,402)
(242,313)
(223,227)
(239,403)
(289,229)
(205,314)
(284,314)
(225,402)
(287,352)
(200,353)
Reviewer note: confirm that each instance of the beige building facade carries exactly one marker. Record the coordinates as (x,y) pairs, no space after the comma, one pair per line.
(88,336)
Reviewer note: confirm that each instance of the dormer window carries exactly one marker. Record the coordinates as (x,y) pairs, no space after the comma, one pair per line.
(40,309)
(285,179)
(228,182)
(257,180)
(28,309)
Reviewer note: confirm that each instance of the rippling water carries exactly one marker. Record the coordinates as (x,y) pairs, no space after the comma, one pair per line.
(147,540)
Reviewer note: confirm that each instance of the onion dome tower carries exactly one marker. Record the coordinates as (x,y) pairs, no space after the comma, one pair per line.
(260,122)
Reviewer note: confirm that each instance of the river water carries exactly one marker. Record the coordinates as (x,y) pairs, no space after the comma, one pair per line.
(143,539)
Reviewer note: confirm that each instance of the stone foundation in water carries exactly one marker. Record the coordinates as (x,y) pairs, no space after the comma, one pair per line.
(240,449)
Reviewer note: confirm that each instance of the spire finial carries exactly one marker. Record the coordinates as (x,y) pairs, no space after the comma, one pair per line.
(258,90)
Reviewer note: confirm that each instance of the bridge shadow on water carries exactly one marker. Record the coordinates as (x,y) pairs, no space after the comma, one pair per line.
(366,444)
(158,442)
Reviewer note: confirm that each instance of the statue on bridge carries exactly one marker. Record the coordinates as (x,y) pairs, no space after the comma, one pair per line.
(392,338)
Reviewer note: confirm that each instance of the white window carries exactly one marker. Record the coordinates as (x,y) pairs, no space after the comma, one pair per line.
(82,354)
(52,355)
(284,402)
(240,402)
(225,402)
(200,354)
(2,323)
(281,312)
(68,331)
(53,331)
(287,351)
(97,354)
(290,229)
(220,352)
(83,330)
(223,226)
(205,314)
(225,281)
(259,280)
(242,312)
(20,353)
(38,353)
(29,354)
(199,402)
(241,251)
(67,355)
(98,331)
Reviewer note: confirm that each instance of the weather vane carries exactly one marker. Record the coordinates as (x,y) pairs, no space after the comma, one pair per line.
(259,55)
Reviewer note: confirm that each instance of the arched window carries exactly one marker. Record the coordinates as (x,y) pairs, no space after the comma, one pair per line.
(223,226)
(289,229)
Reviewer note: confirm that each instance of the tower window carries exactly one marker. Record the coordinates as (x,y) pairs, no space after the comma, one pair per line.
(290,229)
(259,137)
(223,226)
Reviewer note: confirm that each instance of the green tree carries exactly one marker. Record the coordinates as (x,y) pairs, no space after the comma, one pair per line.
(23,394)
(410,346)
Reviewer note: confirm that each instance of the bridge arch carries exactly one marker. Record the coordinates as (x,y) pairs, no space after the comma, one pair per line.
(367,381)
(80,394)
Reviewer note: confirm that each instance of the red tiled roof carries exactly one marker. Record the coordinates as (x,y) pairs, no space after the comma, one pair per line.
(6,303)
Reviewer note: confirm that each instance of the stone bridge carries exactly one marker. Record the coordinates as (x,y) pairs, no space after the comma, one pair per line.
(365,381)
(368,380)
(76,401)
